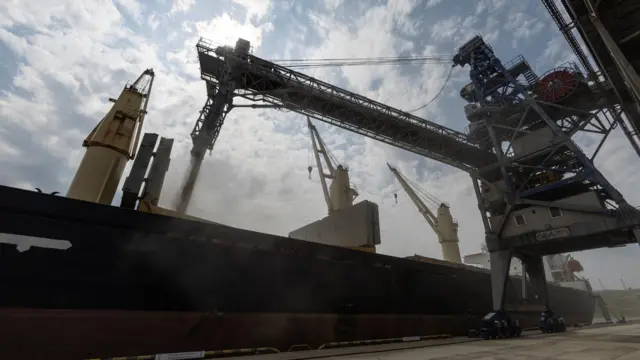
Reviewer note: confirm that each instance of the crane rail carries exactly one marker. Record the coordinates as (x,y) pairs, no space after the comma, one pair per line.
(260,80)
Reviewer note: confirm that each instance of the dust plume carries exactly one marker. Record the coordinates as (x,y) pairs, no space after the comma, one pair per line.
(184,195)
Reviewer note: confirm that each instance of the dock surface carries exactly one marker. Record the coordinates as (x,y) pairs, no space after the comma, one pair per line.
(610,342)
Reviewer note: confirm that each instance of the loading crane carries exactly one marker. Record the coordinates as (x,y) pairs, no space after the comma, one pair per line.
(112,143)
(500,108)
(341,193)
(442,224)
(347,225)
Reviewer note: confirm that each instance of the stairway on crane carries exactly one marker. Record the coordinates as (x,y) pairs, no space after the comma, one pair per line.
(516,67)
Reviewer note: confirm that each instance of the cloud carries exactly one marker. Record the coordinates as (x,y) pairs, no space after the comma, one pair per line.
(181,6)
(256,9)
(66,58)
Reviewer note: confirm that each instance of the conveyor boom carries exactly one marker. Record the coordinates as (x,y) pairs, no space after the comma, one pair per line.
(260,80)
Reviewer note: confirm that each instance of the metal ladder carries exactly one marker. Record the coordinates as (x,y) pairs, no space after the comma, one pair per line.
(530,76)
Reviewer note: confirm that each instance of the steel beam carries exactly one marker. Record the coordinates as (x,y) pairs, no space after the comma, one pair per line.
(263,81)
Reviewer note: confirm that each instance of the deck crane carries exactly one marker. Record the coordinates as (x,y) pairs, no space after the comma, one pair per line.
(341,193)
(443,223)
(112,143)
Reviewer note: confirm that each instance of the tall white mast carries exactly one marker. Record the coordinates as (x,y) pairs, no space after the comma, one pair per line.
(443,224)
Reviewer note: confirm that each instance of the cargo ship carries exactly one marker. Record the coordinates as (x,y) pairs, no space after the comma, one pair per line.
(102,281)
(135,283)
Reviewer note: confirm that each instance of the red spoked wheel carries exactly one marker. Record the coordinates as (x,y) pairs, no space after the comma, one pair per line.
(557,85)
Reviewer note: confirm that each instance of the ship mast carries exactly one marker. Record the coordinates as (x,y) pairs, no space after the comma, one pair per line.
(341,193)
(443,224)
(112,143)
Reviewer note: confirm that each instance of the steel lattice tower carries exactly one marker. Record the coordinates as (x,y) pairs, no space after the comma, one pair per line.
(543,195)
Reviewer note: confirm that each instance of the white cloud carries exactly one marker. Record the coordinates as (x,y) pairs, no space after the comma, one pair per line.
(153,21)
(68,57)
(226,30)
(255,8)
(523,26)
(181,6)
(332,5)
(132,7)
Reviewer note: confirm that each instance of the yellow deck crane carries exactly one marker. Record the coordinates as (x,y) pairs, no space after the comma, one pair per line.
(443,223)
(112,143)
(341,193)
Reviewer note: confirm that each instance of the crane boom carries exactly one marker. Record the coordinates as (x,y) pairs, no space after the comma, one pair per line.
(443,224)
(340,194)
(432,220)
(257,79)
(315,141)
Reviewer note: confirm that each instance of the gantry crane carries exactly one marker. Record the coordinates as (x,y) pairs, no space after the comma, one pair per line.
(112,143)
(551,198)
(341,193)
(541,176)
(442,224)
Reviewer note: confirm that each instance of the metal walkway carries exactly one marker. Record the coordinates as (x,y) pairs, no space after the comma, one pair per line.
(261,80)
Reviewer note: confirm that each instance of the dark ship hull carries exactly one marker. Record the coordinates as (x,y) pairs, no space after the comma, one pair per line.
(134,283)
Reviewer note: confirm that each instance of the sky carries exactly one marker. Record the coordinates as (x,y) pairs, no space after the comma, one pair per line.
(61,61)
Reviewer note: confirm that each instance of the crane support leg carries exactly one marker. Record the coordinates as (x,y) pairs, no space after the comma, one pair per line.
(497,324)
(535,271)
(500,262)
(549,321)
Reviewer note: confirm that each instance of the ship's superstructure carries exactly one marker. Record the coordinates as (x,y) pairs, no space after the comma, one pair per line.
(559,269)
(443,224)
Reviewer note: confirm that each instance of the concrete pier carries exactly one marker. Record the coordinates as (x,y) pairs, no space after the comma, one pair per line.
(611,342)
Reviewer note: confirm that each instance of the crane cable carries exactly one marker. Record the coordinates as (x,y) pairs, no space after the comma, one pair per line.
(332,158)
(426,196)
(340,62)
(446,81)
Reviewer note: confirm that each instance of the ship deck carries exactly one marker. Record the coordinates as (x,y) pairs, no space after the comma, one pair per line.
(619,342)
